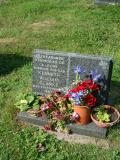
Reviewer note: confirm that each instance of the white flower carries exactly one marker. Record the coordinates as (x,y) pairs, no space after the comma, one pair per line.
(75,115)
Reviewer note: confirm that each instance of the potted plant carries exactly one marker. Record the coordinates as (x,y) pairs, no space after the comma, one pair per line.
(28,102)
(83,101)
(83,95)
(105,116)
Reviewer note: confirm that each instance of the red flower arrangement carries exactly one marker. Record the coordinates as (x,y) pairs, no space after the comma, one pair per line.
(89,84)
(86,84)
(82,94)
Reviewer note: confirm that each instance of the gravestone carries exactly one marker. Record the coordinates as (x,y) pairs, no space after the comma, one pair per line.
(54,70)
(107,1)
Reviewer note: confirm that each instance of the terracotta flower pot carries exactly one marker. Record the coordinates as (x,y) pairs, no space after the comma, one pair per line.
(84,112)
(115,116)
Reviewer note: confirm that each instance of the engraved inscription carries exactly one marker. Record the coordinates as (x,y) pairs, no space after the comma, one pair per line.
(49,72)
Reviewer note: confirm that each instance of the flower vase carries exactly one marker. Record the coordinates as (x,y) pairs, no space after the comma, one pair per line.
(84,113)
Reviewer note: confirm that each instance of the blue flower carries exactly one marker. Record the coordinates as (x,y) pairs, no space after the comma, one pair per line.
(76,97)
(73,95)
(77,102)
(78,70)
(95,75)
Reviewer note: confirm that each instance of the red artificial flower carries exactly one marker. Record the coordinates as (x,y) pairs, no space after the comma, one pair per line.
(73,90)
(67,96)
(50,105)
(90,100)
(88,84)
(79,87)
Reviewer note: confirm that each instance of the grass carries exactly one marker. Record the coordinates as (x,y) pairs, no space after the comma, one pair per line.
(69,25)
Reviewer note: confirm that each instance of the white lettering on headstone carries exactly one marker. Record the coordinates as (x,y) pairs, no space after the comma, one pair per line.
(49,70)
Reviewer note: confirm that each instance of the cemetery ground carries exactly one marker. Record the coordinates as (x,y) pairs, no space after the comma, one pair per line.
(69,25)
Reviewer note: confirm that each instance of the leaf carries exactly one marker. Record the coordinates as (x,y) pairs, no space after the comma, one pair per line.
(17,104)
(30,98)
(103,116)
(35,107)
(106,117)
(23,107)
(36,104)
(23,101)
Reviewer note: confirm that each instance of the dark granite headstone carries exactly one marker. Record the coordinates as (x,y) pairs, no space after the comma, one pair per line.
(89,130)
(107,1)
(53,70)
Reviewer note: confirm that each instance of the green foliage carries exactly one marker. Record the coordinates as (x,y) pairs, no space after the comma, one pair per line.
(103,117)
(27,101)
(102,114)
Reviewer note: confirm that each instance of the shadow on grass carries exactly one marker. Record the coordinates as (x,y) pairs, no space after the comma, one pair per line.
(10,62)
(114,95)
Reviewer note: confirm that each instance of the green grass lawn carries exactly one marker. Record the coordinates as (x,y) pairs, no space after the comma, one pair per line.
(66,25)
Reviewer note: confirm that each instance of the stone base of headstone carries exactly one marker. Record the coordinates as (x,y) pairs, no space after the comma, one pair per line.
(113,2)
(82,139)
(88,130)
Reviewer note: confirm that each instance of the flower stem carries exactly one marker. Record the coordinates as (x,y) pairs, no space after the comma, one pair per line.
(77,77)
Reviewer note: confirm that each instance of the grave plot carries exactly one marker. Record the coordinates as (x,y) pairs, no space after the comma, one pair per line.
(54,71)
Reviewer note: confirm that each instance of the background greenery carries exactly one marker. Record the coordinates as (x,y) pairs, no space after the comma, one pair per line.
(68,25)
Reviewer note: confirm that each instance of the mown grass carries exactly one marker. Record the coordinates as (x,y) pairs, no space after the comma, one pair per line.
(69,25)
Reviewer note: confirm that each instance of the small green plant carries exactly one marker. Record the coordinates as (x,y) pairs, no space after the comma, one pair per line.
(102,114)
(27,101)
